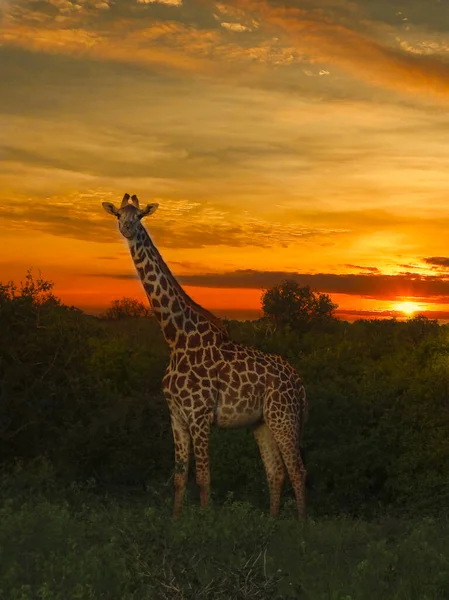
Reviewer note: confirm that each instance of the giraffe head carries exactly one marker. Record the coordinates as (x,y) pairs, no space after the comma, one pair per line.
(129,214)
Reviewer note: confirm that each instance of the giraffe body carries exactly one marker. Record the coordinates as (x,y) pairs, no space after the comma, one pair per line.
(213,380)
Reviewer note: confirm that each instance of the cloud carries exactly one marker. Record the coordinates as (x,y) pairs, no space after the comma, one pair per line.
(371,269)
(120,276)
(330,40)
(352,315)
(138,33)
(179,223)
(438,261)
(235,26)
(167,2)
(366,285)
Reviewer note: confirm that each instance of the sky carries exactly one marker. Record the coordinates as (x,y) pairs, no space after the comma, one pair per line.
(282,139)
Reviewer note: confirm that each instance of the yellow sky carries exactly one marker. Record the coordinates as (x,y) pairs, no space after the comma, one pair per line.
(281,139)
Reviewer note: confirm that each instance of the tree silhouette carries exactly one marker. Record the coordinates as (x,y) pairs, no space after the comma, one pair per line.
(125,308)
(296,306)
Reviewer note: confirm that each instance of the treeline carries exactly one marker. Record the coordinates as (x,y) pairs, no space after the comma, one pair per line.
(84,394)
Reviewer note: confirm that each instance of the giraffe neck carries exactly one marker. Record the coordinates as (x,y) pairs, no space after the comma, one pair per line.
(178,315)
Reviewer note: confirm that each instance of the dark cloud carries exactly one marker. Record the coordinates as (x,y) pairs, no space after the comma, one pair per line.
(368,285)
(370,269)
(352,315)
(119,276)
(438,261)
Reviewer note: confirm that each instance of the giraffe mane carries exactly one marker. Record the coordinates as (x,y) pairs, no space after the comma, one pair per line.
(198,308)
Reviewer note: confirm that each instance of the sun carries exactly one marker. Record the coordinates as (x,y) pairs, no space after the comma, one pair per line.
(408,308)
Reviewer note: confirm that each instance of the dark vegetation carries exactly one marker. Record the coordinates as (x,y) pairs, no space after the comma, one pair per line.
(86,457)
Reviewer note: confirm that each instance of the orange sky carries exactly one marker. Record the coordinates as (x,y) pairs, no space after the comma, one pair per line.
(303,139)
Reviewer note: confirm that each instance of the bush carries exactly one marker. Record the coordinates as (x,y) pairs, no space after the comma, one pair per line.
(85,394)
(71,543)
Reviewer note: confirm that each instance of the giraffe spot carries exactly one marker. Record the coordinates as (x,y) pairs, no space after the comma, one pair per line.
(179,321)
(193,341)
(193,381)
(163,282)
(208,339)
(245,390)
(188,326)
(259,388)
(203,327)
(149,287)
(141,272)
(202,372)
(252,377)
(199,356)
(170,331)
(259,368)
(181,381)
(148,267)
(225,371)
(176,307)
(152,277)
(182,339)
(158,290)
(183,366)
(235,380)
(215,354)
(165,301)
(156,303)
(239,367)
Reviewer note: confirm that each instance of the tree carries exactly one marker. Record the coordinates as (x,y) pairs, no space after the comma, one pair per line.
(296,306)
(126,307)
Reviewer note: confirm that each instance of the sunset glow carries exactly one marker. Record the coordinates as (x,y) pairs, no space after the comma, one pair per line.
(408,308)
(300,139)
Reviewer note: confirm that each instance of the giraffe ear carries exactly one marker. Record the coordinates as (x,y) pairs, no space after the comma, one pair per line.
(110,208)
(148,210)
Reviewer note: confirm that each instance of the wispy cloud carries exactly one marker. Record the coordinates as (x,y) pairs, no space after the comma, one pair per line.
(167,2)
(179,224)
(370,269)
(333,42)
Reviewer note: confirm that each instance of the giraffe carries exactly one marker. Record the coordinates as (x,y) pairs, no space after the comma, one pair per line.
(212,380)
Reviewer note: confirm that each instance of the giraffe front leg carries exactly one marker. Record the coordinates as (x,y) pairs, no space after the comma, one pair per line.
(181,439)
(200,439)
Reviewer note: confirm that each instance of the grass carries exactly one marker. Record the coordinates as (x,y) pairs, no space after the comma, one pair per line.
(72,542)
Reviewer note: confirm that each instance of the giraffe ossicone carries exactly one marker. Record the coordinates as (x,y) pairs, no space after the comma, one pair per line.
(211,379)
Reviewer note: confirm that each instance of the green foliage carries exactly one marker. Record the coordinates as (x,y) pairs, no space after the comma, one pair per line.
(85,394)
(71,543)
(298,307)
(76,391)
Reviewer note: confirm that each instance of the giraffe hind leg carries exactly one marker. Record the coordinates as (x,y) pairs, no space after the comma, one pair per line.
(274,467)
(200,438)
(285,427)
